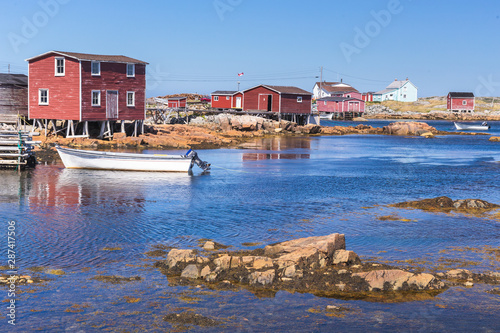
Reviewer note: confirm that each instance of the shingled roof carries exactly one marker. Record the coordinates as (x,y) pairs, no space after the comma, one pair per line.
(93,57)
(13,79)
(461,94)
(288,90)
(224,92)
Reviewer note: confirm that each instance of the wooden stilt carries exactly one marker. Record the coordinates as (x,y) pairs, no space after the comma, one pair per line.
(101,133)
(122,126)
(135,128)
(53,125)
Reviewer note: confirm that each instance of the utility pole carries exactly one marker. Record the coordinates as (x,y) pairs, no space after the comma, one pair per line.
(9,69)
(321,82)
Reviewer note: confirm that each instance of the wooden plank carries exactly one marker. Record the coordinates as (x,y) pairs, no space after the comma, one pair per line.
(12,162)
(14,155)
(15,142)
(22,133)
(15,148)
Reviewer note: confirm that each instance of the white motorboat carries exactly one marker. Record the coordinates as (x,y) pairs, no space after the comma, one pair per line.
(326,116)
(89,159)
(463,127)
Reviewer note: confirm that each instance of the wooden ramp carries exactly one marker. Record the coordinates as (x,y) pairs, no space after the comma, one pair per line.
(17,149)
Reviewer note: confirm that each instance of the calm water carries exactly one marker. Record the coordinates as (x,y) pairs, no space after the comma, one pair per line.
(273,190)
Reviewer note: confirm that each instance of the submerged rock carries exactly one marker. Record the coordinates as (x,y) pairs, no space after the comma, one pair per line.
(446,204)
(319,265)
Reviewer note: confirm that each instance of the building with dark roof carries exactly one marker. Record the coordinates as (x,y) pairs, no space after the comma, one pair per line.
(13,97)
(227,99)
(80,87)
(460,102)
(325,89)
(288,102)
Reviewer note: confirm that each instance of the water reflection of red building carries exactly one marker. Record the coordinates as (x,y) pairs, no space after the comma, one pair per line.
(53,187)
(273,146)
(46,190)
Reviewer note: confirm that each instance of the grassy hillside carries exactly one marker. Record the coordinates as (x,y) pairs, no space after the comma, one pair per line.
(428,104)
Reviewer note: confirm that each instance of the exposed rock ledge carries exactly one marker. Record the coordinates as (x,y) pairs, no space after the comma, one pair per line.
(445,204)
(319,265)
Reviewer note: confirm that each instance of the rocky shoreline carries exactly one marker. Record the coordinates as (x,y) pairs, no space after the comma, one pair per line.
(225,131)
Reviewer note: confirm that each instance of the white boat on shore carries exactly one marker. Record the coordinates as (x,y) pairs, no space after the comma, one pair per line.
(465,127)
(89,159)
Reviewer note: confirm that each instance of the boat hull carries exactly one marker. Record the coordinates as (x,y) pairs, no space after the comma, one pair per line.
(86,159)
(462,127)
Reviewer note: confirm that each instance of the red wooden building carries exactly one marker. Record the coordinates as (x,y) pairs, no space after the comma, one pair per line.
(367,97)
(460,102)
(82,88)
(347,94)
(222,99)
(290,103)
(341,107)
(177,102)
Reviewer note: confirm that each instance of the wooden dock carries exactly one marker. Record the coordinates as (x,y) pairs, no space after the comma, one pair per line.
(17,149)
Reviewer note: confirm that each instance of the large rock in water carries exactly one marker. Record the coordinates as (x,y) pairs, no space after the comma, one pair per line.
(319,265)
(408,128)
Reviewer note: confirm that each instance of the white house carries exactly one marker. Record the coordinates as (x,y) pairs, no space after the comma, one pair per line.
(325,89)
(401,91)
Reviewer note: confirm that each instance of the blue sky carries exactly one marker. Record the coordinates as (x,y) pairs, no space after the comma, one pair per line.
(200,46)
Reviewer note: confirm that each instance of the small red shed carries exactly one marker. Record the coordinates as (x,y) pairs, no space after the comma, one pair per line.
(86,87)
(227,99)
(367,97)
(281,99)
(460,102)
(177,102)
(340,105)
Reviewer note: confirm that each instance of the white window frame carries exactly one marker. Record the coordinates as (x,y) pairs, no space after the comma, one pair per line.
(216,98)
(40,96)
(133,98)
(98,98)
(299,99)
(227,98)
(63,66)
(92,68)
(324,102)
(133,70)
(464,102)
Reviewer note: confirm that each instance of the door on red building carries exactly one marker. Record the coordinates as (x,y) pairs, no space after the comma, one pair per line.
(266,102)
(238,102)
(112,104)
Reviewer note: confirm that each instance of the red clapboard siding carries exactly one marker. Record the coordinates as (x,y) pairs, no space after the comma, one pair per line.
(456,103)
(64,91)
(113,77)
(235,98)
(289,104)
(256,99)
(177,103)
(352,105)
(224,102)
